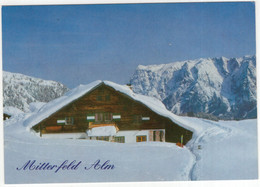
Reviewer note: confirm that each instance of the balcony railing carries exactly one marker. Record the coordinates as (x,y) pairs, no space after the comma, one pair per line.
(102,124)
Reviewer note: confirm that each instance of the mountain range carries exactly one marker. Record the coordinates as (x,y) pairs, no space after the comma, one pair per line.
(222,87)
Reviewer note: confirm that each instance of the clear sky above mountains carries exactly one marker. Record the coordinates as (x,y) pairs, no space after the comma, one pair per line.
(77,44)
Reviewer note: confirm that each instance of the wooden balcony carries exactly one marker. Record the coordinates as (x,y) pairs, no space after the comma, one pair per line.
(102,124)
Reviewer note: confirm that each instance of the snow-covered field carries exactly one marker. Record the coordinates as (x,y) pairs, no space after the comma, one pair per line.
(219,150)
(225,150)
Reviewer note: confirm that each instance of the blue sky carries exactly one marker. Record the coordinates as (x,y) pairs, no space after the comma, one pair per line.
(77,44)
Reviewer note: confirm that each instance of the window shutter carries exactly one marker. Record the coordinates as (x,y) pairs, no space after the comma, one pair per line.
(91,117)
(61,121)
(145,118)
(116,117)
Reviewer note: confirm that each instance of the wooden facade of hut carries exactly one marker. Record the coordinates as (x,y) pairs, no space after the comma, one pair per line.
(114,116)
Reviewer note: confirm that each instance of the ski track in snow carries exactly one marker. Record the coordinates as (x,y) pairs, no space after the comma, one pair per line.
(213,129)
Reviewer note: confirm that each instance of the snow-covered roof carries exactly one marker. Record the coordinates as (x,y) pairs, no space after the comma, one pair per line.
(35,106)
(102,131)
(55,105)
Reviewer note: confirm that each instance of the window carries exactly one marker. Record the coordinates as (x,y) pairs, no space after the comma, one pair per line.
(101,117)
(137,118)
(140,138)
(120,139)
(104,138)
(158,135)
(69,121)
(108,116)
(154,135)
(107,97)
(66,121)
(98,117)
(161,136)
(99,98)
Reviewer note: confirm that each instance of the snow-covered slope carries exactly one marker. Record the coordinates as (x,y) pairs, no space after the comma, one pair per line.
(223,87)
(228,150)
(225,150)
(21,90)
(154,161)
